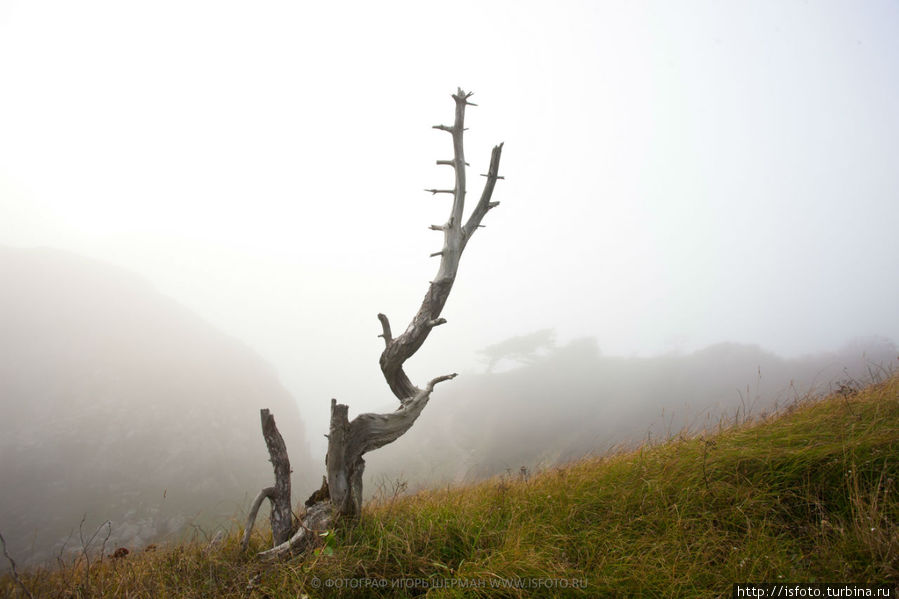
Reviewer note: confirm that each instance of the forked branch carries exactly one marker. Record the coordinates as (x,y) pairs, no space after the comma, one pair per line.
(455,238)
(349,441)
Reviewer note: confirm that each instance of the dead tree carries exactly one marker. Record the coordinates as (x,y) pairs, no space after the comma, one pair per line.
(349,440)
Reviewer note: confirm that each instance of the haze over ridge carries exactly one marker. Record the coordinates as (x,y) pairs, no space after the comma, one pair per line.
(117,403)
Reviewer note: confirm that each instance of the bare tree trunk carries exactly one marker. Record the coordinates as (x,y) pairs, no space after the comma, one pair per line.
(279,495)
(349,440)
(281,516)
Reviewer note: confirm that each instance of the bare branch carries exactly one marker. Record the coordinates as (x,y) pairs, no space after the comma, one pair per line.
(279,550)
(436,322)
(105,540)
(266,493)
(85,547)
(454,241)
(385,328)
(463,96)
(59,559)
(15,575)
(368,432)
(484,204)
(436,191)
(446,377)
(317,520)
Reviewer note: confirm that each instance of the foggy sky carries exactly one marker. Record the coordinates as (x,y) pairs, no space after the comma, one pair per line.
(677,174)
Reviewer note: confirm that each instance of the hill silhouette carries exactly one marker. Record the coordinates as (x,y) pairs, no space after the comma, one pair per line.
(119,404)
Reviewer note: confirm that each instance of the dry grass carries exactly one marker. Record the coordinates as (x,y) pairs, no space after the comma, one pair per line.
(807,495)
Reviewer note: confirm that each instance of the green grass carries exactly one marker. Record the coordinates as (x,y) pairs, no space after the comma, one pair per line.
(803,496)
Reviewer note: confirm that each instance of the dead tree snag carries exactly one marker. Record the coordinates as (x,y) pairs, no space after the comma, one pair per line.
(349,440)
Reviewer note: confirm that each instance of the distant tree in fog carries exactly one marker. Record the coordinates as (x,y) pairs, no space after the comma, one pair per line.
(524,349)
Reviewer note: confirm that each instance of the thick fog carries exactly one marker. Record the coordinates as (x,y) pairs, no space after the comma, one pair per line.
(677,175)
(555,404)
(120,404)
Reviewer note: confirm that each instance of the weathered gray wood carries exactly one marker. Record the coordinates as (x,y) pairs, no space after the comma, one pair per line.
(281,516)
(455,238)
(279,495)
(264,494)
(349,441)
(339,471)
(318,519)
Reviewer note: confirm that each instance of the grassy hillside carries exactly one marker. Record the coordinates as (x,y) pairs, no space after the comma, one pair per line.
(803,496)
